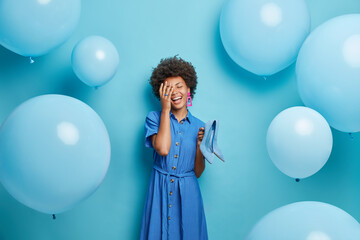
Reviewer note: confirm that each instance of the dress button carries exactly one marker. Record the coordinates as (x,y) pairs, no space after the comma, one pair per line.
(169,205)
(172,180)
(181,122)
(176,155)
(170,192)
(179,132)
(169,217)
(177,143)
(173,167)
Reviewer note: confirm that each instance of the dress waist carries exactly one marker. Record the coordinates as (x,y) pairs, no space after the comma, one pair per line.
(190,173)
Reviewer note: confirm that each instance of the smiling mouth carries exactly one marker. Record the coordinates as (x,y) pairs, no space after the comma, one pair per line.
(176,100)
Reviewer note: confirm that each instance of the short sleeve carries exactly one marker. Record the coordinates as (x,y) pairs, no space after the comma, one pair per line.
(151,127)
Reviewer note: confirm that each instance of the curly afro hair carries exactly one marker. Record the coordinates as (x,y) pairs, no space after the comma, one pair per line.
(173,67)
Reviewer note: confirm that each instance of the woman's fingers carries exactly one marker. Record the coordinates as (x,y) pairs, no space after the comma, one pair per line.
(165,89)
(171,90)
(168,91)
(161,90)
(201,133)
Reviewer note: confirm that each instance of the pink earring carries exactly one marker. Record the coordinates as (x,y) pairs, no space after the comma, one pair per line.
(189,101)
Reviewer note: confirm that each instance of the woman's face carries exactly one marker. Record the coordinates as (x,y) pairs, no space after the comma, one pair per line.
(179,94)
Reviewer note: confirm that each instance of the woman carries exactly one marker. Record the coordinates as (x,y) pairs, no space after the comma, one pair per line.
(173,206)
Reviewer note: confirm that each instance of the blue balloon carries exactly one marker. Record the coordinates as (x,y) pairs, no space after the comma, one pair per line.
(328,72)
(95,60)
(299,141)
(35,27)
(54,153)
(306,221)
(264,36)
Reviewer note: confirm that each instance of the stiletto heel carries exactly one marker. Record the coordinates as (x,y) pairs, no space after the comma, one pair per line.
(216,149)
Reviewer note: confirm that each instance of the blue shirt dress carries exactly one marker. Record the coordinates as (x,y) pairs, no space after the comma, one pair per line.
(173,207)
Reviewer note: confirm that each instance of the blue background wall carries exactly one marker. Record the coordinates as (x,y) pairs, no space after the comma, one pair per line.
(236,193)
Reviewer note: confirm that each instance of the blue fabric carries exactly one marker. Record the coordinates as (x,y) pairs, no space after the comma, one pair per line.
(173,181)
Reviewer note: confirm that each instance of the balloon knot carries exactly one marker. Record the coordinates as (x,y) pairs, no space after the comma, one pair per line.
(54,217)
(297,180)
(31,60)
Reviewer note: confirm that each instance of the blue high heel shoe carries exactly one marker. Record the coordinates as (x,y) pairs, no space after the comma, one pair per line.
(208,146)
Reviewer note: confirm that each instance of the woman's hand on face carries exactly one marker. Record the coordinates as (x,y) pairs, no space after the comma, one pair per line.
(165,92)
(200,136)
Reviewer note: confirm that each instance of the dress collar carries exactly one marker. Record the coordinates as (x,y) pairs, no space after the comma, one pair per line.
(188,117)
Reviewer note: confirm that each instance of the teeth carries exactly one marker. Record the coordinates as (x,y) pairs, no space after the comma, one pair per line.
(174,99)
